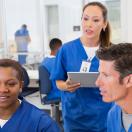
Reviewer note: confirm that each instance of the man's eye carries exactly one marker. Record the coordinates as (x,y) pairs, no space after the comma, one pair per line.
(105,75)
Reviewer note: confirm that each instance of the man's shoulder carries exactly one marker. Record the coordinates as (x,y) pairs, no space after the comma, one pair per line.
(17,32)
(48,60)
(115,111)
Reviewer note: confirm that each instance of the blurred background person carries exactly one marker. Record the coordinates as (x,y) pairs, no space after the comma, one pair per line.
(22,39)
(49,62)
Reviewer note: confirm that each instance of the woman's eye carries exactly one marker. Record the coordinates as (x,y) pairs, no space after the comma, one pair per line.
(96,20)
(85,18)
(11,84)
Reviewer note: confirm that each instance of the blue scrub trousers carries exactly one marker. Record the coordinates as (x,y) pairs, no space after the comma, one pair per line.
(22,59)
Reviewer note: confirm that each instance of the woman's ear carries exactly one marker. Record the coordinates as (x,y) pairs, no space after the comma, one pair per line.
(20,90)
(105,25)
(128,81)
(21,85)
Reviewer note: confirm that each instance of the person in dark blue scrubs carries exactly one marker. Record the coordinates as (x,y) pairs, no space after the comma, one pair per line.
(115,84)
(17,115)
(82,108)
(49,62)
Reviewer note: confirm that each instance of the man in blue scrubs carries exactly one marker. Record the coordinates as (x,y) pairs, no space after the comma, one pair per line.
(48,63)
(22,39)
(115,82)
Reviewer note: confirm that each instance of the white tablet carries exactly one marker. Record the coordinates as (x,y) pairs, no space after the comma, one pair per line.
(86,79)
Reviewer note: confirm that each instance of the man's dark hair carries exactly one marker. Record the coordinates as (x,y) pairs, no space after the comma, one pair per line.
(121,54)
(24,26)
(55,43)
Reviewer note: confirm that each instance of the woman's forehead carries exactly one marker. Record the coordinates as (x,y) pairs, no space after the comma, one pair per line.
(8,71)
(93,10)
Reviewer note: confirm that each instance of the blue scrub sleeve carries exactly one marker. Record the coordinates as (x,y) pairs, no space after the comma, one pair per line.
(47,124)
(59,71)
(53,128)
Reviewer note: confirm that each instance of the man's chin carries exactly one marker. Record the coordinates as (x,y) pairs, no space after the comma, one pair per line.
(107,100)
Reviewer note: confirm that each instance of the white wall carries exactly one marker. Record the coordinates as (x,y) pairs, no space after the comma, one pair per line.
(70,15)
(1,24)
(129,20)
(67,20)
(31,12)
(126,20)
(20,12)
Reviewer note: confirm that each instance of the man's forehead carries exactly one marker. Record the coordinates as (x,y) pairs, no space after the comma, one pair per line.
(104,64)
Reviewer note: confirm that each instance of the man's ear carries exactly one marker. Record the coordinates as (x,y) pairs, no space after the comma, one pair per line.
(128,81)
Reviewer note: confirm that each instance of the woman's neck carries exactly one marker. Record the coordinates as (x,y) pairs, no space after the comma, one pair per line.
(7,112)
(89,42)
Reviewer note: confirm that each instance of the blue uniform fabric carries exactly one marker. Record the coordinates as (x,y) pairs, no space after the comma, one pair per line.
(22,32)
(55,92)
(29,118)
(114,122)
(83,110)
(22,43)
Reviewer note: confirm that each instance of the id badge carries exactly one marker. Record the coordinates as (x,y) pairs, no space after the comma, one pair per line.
(85,67)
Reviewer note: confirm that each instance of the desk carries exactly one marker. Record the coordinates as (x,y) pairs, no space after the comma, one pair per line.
(34,76)
(35,100)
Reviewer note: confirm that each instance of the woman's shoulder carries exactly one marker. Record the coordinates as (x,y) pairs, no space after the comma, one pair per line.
(36,112)
(72,42)
(39,116)
(32,107)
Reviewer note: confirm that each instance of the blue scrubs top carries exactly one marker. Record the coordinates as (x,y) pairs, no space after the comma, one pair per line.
(55,93)
(83,110)
(22,43)
(114,123)
(29,118)
(22,32)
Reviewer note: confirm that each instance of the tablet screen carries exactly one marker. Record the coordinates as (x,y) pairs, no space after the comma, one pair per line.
(85,79)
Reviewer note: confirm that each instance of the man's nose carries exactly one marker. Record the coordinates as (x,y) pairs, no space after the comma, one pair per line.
(97,82)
